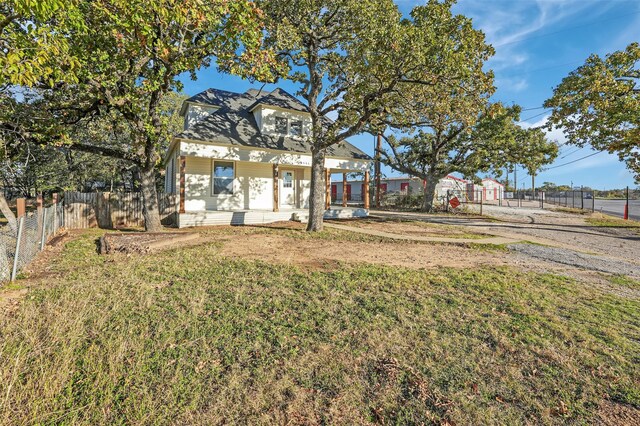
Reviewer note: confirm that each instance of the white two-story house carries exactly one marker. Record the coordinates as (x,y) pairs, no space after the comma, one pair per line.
(246,158)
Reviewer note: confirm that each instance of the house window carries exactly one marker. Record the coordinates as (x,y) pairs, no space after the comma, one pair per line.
(222,177)
(169,178)
(281,125)
(295,128)
(287,181)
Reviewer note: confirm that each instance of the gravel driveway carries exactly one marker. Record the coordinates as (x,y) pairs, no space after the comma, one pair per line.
(576,259)
(562,238)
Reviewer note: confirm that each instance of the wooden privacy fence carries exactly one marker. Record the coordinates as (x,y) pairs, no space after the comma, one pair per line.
(112,209)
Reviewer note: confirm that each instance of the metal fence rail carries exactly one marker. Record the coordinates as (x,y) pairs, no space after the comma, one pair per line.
(573,199)
(34,230)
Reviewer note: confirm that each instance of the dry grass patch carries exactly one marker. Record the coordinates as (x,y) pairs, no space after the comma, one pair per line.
(605,221)
(190,337)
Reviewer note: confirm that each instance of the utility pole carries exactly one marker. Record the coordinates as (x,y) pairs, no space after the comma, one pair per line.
(506,183)
(626,206)
(515,179)
(378,171)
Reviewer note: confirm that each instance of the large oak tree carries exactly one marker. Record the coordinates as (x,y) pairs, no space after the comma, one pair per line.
(357,60)
(598,104)
(128,56)
(446,143)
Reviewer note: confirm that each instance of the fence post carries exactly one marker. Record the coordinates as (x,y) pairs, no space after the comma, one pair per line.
(55,211)
(481,202)
(20,207)
(43,237)
(581,198)
(16,256)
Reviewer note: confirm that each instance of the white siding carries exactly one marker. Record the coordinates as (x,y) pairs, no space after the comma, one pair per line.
(203,149)
(198,194)
(252,187)
(172,173)
(305,187)
(255,184)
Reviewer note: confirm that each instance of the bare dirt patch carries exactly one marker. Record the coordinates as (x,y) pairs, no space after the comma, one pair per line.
(416,228)
(321,253)
(140,242)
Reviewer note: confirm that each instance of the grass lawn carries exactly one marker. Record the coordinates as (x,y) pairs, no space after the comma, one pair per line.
(186,336)
(612,222)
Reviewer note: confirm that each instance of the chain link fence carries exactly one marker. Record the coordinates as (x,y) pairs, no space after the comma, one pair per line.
(19,248)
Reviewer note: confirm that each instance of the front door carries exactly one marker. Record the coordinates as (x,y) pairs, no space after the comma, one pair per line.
(288,196)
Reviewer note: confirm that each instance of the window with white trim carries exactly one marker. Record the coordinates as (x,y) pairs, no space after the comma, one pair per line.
(171,175)
(281,125)
(222,178)
(295,127)
(287,180)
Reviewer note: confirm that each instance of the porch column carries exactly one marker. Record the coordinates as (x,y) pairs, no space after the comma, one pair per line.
(344,190)
(276,189)
(366,190)
(183,166)
(327,198)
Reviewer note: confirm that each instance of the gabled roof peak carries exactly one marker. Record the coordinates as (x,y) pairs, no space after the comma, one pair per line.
(220,98)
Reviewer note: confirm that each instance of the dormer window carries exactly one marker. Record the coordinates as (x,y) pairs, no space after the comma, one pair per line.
(289,127)
(281,125)
(295,127)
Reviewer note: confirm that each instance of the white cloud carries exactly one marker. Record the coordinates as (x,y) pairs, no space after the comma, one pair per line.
(556,134)
(509,24)
(512,84)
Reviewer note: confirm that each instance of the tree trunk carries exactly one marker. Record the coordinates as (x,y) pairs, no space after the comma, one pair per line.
(150,209)
(318,191)
(8,214)
(429,192)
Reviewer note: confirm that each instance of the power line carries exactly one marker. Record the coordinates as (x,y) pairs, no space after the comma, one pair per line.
(574,161)
(571,153)
(533,116)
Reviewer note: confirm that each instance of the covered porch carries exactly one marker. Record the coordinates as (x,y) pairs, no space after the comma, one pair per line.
(257,217)
(235,186)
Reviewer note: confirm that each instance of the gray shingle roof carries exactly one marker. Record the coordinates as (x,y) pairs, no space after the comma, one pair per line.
(235,124)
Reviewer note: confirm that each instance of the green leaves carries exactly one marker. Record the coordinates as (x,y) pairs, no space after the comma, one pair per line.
(599,104)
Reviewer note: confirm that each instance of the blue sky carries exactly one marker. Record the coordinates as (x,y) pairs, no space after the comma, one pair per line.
(537,43)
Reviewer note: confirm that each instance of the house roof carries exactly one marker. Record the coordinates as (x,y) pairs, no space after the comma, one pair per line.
(234,123)
(493,180)
(456,178)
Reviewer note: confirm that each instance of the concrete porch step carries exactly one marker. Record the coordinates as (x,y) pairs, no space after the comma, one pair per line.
(333,213)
